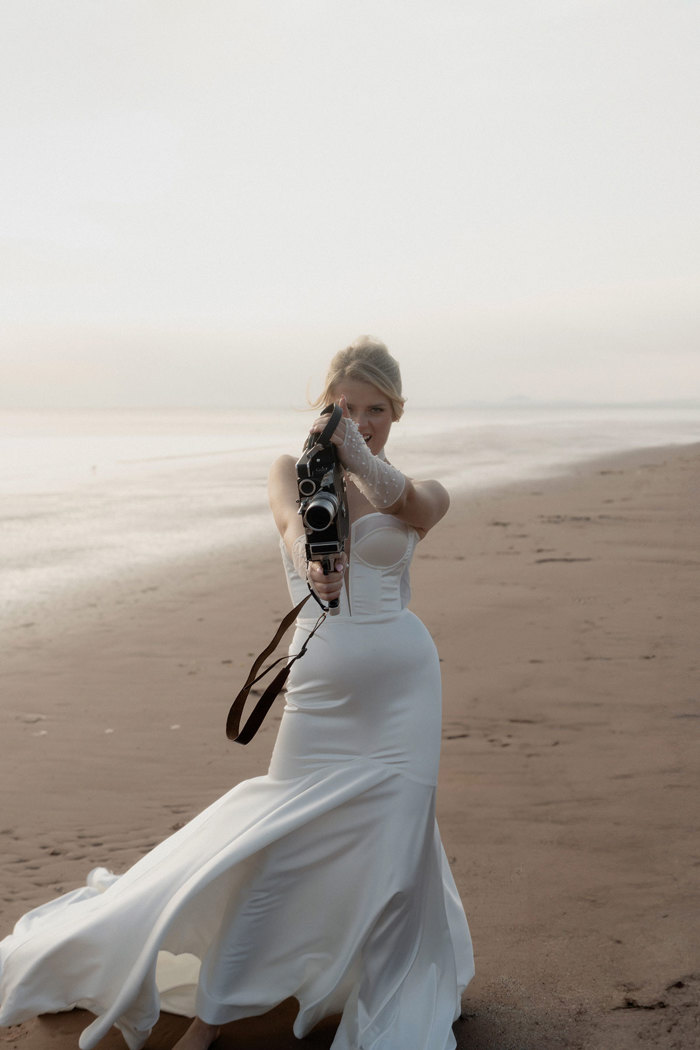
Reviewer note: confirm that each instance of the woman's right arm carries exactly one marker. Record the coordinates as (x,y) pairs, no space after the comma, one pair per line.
(283,494)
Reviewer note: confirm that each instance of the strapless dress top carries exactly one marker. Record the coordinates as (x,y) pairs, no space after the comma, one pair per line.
(378,581)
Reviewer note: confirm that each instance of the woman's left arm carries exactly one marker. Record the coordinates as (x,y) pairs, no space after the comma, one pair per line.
(421,504)
(418,503)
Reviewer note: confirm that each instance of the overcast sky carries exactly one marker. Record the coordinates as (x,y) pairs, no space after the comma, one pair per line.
(203,199)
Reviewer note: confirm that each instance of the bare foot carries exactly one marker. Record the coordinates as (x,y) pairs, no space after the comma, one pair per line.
(199,1036)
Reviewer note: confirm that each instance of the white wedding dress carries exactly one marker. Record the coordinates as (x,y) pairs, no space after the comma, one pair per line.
(324,880)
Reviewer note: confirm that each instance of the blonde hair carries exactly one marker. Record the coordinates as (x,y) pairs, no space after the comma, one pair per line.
(369,361)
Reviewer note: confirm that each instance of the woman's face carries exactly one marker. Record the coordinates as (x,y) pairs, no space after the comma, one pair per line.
(370,409)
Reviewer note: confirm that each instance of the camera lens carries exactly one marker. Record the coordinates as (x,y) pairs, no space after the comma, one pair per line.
(320,511)
(307,487)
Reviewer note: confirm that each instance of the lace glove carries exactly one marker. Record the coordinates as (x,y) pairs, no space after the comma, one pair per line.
(376,479)
(301,565)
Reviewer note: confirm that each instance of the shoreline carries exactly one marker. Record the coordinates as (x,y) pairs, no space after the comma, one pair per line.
(565,613)
(79,604)
(120,525)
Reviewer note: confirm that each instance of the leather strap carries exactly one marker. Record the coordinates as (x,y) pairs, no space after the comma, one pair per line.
(335,414)
(254,721)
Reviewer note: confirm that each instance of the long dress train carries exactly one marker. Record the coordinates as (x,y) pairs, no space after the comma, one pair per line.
(324,880)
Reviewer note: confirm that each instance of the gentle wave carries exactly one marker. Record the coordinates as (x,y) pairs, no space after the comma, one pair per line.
(88,496)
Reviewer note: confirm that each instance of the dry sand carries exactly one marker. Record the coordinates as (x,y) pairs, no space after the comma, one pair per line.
(567,618)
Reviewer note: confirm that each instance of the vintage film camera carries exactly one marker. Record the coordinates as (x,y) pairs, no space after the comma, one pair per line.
(323,502)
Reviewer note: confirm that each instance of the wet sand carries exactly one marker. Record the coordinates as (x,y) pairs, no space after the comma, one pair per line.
(566,613)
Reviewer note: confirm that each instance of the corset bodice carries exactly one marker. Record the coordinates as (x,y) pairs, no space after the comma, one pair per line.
(381,548)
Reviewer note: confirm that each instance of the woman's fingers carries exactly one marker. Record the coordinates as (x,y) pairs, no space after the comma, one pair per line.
(338,434)
(316,570)
(327,587)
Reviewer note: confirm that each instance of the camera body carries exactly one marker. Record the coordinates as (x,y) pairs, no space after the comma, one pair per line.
(323,503)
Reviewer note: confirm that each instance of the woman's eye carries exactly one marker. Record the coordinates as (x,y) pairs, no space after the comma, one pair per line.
(377,409)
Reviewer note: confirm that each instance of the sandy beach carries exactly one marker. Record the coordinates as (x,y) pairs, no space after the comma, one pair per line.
(566,613)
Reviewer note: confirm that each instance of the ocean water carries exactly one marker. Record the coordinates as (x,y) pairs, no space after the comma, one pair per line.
(89,496)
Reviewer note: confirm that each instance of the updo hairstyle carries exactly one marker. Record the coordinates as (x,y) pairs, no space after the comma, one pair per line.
(368,361)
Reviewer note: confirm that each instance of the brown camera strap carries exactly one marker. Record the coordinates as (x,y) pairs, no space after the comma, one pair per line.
(336,414)
(254,721)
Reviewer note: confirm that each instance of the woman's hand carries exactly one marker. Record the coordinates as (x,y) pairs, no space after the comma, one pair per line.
(353,451)
(328,587)
(338,435)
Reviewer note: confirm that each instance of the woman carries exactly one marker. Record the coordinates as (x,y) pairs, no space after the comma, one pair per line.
(325,879)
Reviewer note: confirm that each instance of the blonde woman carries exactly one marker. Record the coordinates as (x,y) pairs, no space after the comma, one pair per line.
(325,879)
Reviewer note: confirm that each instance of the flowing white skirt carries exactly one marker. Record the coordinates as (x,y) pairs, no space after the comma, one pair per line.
(324,880)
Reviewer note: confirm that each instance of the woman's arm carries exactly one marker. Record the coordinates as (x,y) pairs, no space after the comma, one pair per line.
(421,504)
(282,493)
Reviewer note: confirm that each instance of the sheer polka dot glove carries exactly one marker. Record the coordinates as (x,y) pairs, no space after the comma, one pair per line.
(376,479)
